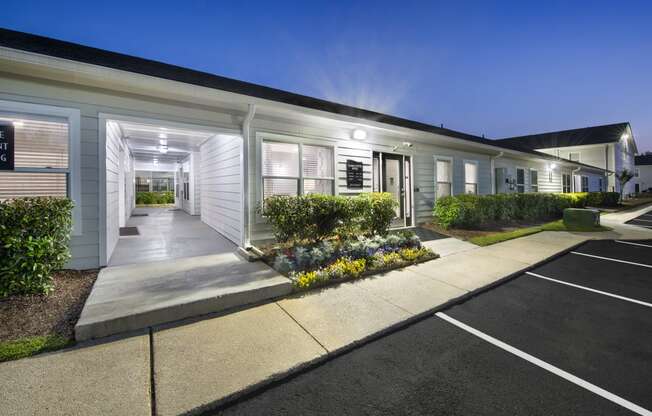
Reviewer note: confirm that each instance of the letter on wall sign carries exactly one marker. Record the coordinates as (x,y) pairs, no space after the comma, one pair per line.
(6,146)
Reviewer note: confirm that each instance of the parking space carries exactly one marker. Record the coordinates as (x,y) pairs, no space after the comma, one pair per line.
(644,220)
(573,336)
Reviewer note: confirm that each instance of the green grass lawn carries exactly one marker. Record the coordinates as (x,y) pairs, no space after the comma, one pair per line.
(26,347)
(558,225)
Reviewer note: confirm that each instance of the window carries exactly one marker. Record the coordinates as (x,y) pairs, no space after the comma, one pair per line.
(600,184)
(566,183)
(585,184)
(470,177)
(444,177)
(574,156)
(520,180)
(40,157)
(293,169)
(534,180)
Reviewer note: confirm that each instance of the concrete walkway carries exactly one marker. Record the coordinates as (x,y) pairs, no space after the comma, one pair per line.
(199,365)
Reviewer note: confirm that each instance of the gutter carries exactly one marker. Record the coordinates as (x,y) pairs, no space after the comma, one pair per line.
(244,163)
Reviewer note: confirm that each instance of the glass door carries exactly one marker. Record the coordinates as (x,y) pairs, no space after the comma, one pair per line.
(392,174)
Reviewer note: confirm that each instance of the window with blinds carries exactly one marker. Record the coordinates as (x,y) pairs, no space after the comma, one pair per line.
(292,169)
(444,178)
(534,180)
(41,158)
(470,177)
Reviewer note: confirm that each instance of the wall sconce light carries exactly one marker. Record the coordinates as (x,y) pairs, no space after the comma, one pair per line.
(359,134)
(162,136)
(625,136)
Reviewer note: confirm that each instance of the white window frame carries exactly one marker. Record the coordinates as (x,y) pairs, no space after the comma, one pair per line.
(301,177)
(532,187)
(570,184)
(477,183)
(73,117)
(452,172)
(588,185)
(524,184)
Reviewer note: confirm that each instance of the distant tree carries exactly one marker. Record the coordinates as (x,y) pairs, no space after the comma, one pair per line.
(623,177)
(647,153)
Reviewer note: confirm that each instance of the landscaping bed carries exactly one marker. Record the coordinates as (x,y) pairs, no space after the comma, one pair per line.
(324,239)
(38,323)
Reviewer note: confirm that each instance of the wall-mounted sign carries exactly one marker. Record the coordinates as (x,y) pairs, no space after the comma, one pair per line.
(354,176)
(6,146)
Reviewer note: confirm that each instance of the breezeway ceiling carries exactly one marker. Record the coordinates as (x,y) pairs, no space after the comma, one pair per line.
(144,140)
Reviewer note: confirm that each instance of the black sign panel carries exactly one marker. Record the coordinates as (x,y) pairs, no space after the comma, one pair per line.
(354,175)
(6,146)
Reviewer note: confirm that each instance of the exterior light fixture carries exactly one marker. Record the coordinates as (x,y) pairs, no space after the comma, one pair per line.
(625,136)
(18,123)
(163,142)
(162,136)
(359,134)
(552,166)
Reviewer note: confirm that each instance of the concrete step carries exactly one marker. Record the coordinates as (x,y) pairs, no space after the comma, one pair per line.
(126,298)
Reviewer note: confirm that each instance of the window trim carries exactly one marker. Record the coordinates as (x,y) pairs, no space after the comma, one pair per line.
(537,185)
(452,171)
(300,178)
(477,183)
(73,117)
(570,183)
(588,185)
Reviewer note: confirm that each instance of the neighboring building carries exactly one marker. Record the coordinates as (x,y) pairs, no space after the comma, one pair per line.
(610,147)
(643,179)
(84,118)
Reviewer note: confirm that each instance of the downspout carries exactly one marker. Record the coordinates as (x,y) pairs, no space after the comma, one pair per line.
(246,215)
(493,171)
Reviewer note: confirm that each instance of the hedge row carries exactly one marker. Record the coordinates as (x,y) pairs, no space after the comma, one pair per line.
(149,198)
(34,237)
(316,217)
(470,211)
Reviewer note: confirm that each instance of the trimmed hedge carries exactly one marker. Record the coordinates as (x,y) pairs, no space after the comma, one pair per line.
(151,198)
(470,211)
(315,217)
(34,237)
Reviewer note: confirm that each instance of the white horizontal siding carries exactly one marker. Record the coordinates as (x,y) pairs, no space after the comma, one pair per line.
(113,139)
(221,186)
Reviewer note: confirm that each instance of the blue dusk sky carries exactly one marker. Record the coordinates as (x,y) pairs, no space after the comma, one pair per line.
(495,68)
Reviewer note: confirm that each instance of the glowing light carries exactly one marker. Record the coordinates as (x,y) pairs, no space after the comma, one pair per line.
(162,136)
(359,134)
(163,142)
(18,123)
(553,166)
(163,149)
(625,136)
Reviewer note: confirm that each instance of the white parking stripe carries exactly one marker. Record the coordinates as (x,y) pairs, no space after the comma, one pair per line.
(640,302)
(548,367)
(611,259)
(633,244)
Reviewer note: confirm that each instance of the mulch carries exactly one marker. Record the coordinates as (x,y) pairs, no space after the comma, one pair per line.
(41,315)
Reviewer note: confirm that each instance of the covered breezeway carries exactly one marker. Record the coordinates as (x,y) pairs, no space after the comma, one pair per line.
(204,170)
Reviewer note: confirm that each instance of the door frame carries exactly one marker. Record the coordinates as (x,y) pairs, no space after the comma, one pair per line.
(406,216)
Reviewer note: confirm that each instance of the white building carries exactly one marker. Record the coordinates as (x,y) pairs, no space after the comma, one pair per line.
(610,147)
(85,118)
(643,179)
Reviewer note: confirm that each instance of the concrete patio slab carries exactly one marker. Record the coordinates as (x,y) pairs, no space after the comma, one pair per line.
(165,234)
(414,292)
(104,379)
(126,298)
(343,314)
(197,364)
(447,246)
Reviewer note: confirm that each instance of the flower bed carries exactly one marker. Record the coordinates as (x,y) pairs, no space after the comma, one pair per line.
(336,260)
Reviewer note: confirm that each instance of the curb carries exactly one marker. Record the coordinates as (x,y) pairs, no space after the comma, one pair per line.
(276,379)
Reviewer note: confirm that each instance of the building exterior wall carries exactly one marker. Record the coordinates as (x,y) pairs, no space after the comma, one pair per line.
(644,178)
(221,185)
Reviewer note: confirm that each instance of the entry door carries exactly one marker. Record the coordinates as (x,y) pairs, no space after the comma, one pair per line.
(391,174)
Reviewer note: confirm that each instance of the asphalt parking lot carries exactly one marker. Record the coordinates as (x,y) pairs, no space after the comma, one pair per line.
(573,336)
(644,220)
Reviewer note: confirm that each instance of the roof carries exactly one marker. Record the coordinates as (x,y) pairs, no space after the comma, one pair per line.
(608,133)
(85,54)
(643,160)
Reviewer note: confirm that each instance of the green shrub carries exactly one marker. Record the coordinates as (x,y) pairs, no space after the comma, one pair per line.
(315,217)
(150,198)
(34,237)
(471,211)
